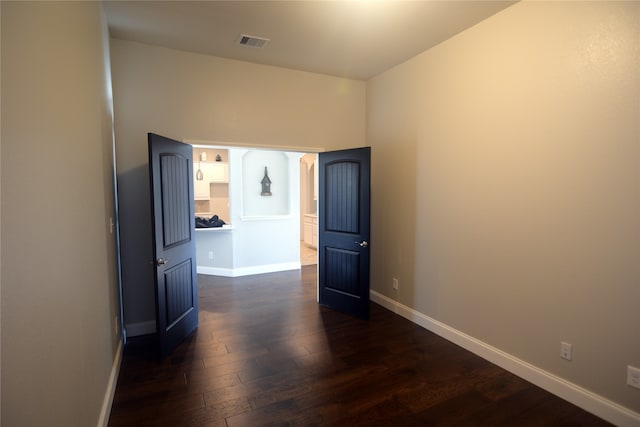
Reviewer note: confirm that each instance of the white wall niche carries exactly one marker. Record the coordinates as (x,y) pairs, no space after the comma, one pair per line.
(255,205)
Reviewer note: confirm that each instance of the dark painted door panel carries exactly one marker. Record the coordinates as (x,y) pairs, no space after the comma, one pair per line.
(176,288)
(343,230)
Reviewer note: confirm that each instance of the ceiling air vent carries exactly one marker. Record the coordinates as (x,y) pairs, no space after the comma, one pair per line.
(252,41)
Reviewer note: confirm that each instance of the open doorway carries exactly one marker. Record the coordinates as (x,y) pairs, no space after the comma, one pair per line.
(260,230)
(343,193)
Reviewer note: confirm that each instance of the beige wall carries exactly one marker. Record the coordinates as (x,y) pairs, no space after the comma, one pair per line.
(59,292)
(511,157)
(196,97)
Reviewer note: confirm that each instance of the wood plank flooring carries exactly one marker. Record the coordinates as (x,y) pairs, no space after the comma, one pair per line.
(265,354)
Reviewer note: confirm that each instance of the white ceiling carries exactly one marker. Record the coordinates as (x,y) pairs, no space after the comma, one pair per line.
(354,39)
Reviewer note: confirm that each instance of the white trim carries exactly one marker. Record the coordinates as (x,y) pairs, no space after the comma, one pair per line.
(215,271)
(141,328)
(581,397)
(105,411)
(199,143)
(247,271)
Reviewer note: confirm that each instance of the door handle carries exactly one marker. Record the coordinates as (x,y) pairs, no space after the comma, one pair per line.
(161,261)
(364,243)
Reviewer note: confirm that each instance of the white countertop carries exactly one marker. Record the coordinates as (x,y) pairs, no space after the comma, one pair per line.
(225,227)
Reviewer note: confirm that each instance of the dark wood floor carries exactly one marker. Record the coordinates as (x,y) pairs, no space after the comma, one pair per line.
(266,354)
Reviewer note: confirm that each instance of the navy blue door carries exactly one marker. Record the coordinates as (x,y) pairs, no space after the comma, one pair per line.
(343,230)
(176,286)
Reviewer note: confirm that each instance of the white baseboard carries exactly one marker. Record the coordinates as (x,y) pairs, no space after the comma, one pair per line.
(105,411)
(215,271)
(247,271)
(140,328)
(581,397)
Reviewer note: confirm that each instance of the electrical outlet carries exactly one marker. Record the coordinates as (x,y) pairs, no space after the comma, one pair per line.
(210,254)
(633,376)
(565,350)
(394,283)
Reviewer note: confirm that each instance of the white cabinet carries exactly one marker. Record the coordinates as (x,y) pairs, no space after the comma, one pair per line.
(201,187)
(211,173)
(311,230)
(219,172)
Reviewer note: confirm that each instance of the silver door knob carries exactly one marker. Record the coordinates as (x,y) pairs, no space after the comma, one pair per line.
(161,261)
(364,243)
